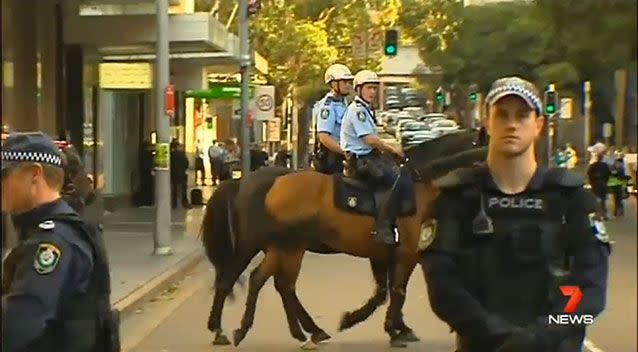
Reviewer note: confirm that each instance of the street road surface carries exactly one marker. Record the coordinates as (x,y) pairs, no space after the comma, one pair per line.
(329,285)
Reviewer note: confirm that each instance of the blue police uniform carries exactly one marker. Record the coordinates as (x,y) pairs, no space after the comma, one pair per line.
(329,112)
(368,165)
(56,286)
(495,265)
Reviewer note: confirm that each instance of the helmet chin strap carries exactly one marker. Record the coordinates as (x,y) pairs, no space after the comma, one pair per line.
(358,90)
(336,89)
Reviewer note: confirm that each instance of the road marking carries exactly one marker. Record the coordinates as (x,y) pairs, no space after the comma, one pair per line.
(591,347)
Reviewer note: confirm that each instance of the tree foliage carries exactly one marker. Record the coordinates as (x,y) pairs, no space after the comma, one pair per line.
(563,41)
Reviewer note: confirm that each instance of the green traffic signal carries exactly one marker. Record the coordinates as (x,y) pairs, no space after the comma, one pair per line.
(550,109)
(473,97)
(391,42)
(439,97)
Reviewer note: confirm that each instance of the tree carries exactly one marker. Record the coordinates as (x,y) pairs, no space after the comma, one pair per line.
(296,49)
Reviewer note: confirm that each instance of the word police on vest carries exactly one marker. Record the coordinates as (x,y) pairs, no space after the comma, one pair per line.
(515,203)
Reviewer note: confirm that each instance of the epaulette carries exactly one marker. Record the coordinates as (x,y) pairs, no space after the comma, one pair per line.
(563,178)
(459,178)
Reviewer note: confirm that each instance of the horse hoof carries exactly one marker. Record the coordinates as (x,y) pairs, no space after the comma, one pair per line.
(238,336)
(346,322)
(308,345)
(319,337)
(408,336)
(221,340)
(397,343)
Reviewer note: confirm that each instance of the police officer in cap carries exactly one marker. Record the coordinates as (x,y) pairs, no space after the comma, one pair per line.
(359,139)
(56,285)
(512,239)
(329,113)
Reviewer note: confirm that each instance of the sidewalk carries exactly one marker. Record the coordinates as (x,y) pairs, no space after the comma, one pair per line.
(135,272)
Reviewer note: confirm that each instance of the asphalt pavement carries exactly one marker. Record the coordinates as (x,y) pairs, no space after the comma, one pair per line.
(329,285)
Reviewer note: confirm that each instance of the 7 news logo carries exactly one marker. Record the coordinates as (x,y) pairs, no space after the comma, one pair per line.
(568,318)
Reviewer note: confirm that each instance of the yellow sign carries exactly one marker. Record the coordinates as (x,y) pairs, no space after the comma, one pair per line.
(162,156)
(126,76)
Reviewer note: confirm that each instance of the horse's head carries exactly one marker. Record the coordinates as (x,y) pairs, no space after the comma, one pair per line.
(437,157)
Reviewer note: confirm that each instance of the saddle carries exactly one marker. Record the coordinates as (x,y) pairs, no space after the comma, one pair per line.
(353,195)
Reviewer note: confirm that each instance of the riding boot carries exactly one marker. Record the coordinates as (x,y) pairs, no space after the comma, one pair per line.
(385,218)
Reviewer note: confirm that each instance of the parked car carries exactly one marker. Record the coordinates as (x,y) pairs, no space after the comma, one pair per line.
(445,126)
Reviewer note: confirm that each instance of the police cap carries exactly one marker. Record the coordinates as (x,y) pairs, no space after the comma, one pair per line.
(35,147)
(518,87)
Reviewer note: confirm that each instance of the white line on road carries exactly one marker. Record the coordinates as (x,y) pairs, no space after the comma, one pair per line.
(591,347)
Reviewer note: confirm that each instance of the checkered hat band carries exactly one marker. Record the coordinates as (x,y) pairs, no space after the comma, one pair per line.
(36,157)
(538,105)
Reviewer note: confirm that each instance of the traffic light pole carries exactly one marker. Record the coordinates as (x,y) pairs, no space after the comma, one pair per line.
(245,62)
(162,229)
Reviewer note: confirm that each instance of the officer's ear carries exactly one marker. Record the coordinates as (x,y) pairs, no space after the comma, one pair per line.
(540,122)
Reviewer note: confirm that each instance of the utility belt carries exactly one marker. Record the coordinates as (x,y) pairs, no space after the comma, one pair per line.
(369,167)
(327,161)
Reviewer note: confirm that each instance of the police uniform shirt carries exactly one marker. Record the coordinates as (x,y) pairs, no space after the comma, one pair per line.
(330,115)
(496,309)
(358,123)
(54,264)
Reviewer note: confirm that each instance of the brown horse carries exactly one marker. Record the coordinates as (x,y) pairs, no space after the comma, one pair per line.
(285,214)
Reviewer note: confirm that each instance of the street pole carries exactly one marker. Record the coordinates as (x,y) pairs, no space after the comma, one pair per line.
(162,229)
(587,113)
(245,62)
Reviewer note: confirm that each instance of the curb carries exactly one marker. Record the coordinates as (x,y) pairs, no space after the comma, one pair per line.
(157,284)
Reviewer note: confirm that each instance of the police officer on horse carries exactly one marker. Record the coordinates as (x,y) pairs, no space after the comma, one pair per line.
(329,112)
(361,142)
(512,240)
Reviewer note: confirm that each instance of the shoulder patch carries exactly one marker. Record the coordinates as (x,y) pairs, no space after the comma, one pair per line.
(361,116)
(428,233)
(324,114)
(47,225)
(598,228)
(46,258)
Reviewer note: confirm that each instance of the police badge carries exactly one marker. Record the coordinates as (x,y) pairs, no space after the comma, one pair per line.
(325,113)
(361,116)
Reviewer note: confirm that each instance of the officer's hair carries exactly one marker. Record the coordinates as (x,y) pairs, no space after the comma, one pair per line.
(53,175)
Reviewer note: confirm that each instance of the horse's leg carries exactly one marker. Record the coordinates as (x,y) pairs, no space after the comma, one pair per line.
(380,274)
(223,287)
(258,278)
(405,332)
(285,283)
(399,282)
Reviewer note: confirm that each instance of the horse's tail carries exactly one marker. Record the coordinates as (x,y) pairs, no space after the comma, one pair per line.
(218,227)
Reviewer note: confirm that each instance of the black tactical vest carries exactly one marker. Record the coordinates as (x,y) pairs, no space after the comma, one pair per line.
(86,322)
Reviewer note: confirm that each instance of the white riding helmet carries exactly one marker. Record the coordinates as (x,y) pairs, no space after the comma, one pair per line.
(365,76)
(337,72)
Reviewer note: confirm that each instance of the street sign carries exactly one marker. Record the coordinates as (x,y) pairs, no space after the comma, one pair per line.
(162,156)
(263,104)
(359,45)
(566,108)
(273,132)
(375,43)
(169,100)
(608,129)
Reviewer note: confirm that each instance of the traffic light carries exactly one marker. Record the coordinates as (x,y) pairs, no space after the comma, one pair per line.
(551,101)
(391,42)
(473,97)
(209,123)
(440,96)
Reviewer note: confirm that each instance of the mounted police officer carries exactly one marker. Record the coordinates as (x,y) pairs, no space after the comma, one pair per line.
(55,282)
(359,139)
(329,113)
(511,240)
